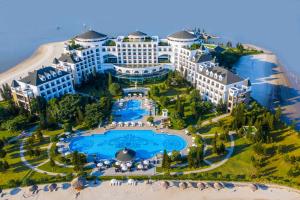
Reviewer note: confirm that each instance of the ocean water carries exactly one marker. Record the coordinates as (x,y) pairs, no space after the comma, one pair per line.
(274,25)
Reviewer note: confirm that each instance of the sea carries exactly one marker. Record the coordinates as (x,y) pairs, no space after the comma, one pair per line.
(271,24)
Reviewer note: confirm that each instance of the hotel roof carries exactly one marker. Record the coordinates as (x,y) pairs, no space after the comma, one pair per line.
(183,35)
(91,35)
(34,78)
(137,34)
(227,76)
(68,58)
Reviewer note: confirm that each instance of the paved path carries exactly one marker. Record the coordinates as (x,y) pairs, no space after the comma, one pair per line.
(215,119)
(213,166)
(34,168)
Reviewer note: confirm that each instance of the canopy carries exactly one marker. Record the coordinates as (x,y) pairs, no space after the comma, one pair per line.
(253,187)
(99,164)
(33,188)
(52,186)
(183,185)
(165,184)
(125,155)
(78,183)
(106,162)
(218,185)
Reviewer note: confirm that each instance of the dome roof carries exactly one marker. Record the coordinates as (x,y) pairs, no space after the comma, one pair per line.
(125,155)
(91,35)
(183,35)
(137,34)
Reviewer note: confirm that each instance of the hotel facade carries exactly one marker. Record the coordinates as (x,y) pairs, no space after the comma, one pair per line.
(138,57)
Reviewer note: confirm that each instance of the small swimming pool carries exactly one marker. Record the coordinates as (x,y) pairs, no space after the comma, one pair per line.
(131,111)
(146,143)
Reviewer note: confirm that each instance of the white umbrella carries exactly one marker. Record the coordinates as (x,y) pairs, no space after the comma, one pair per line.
(126,123)
(124,168)
(117,163)
(140,166)
(194,145)
(113,181)
(106,162)
(129,164)
(114,123)
(146,162)
(61,139)
(131,182)
(170,154)
(186,131)
(123,165)
(100,165)
(60,150)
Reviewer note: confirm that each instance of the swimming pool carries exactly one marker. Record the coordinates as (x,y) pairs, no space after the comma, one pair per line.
(131,111)
(146,143)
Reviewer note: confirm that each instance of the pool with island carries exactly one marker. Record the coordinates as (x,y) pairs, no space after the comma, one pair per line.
(146,143)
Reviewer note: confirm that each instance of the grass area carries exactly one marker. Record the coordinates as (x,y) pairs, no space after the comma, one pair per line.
(36,160)
(56,169)
(217,127)
(52,132)
(8,134)
(17,170)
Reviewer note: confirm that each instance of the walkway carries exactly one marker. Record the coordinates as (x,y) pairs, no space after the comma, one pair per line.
(35,168)
(216,165)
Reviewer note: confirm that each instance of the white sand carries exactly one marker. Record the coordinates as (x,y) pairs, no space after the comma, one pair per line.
(42,56)
(155,191)
(270,85)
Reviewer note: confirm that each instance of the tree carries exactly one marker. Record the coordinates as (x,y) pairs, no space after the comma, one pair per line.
(278,114)
(93,115)
(221,107)
(68,127)
(39,135)
(109,79)
(176,156)
(17,123)
(52,163)
(150,119)
(5,92)
(191,129)
(115,89)
(2,153)
(154,91)
(166,162)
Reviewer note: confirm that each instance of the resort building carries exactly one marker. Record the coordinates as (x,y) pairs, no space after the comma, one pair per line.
(138,57)
(47,82)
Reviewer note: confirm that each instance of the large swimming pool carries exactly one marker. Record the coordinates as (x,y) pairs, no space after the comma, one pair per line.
(146,143)
(131,111)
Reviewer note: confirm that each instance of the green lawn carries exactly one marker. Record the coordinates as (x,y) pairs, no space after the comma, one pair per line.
(56,169)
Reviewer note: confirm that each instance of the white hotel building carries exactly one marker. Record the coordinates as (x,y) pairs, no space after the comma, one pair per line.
(47,82)
(138,57)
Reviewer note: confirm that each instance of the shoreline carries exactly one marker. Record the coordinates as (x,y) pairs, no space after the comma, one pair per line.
(103,190)
(272,84)
(43,55)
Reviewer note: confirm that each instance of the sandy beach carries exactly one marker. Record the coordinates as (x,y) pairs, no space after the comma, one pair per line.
(270,84)
(42,56)
(103,190)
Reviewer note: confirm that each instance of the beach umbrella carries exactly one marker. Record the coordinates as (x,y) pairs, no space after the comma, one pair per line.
(78,183)
(0,190)
(140,166)
(183,185)
(124,168)
(129,164)
(253,187)
(201,185)
(61,139)
(170,154)
(60,150)
(125,155)
(165,184)
(190,184)
(218,185)
(52,186)
(117,163)
(106,162)
(131,181)
(33,188)
(99,164)
(146,162)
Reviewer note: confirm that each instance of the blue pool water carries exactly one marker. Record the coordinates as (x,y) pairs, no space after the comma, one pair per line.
(146,143)
(131,111)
